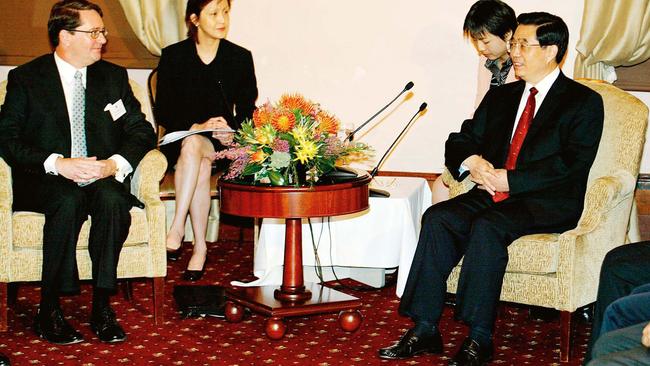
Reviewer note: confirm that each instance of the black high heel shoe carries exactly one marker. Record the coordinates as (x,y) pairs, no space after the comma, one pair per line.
(174,255)
(195,275)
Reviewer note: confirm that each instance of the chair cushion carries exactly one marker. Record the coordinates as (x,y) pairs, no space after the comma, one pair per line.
(537,253)
(28,230)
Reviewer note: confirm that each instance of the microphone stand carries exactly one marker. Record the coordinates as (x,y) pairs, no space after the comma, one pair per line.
(407,87)
(380,192)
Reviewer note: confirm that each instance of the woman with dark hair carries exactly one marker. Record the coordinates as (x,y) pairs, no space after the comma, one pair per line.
(489,25)
(204,82)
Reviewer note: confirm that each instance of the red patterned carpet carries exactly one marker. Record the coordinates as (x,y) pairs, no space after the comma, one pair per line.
(316,340)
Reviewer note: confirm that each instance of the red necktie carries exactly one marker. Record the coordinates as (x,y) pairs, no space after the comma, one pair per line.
(518,139)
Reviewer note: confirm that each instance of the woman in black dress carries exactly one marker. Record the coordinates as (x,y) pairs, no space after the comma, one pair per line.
(204,82)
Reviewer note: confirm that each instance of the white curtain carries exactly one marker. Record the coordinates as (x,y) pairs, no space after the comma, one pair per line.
(156,23)
(613,33)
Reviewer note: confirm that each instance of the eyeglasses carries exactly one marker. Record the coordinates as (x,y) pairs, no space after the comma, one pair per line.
(94,33)
(522,45)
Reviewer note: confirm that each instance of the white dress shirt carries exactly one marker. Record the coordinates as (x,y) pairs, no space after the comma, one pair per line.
(66,73)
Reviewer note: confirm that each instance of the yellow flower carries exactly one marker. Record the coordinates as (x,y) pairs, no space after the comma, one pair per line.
(300,133)
(265,135)
(306,150)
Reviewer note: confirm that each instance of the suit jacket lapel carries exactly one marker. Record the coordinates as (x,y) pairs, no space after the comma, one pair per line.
(95,95)
(549,105)
(55,95)
(508,114)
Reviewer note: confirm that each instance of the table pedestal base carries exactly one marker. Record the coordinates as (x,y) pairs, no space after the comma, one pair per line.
(323,300)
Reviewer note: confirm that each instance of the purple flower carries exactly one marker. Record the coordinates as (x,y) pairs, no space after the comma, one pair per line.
(280,145)
(238,157)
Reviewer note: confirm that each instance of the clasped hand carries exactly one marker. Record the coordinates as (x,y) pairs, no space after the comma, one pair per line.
(82,170)
(214,123)
(482,172)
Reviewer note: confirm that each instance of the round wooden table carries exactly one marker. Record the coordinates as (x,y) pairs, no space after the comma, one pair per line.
(294,297)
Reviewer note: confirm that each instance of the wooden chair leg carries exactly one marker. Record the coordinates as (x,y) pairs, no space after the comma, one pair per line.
(158,299)
(565,335)
(127,289)
(4,323)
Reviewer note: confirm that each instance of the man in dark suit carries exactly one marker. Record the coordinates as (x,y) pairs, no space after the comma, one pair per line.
(72,131)
(529,148)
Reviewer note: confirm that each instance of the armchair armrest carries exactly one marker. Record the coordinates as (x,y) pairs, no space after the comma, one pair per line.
(146,180)
(582,250)
(6,201)
(146,186)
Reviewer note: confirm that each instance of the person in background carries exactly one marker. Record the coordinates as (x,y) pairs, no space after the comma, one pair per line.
(529,148)
(489,25)
(204,82)
(629,346)
(73,132)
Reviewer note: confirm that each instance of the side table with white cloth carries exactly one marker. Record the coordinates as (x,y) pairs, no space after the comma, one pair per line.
(360,246)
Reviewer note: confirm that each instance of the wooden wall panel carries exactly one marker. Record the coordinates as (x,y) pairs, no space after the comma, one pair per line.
(23,34)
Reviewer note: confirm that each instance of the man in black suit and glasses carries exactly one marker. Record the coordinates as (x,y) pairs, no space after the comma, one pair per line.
(72,132)
(529,148)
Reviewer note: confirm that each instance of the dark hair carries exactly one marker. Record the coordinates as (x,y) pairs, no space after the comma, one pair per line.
(492,16)
(195,7)
(65,15)
(551,30)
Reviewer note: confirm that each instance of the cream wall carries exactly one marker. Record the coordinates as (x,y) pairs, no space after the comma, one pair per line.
(354,56)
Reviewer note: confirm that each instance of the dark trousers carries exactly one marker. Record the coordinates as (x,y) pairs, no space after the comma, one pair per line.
(624,268)
(621,347)
(66,206)
(474,226)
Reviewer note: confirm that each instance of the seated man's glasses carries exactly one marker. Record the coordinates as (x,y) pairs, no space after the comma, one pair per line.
(521,45)
(94,33)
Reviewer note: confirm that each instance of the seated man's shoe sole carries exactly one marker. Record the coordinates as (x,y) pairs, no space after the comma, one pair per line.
(4,360)
(54,329)
(411,345)
(105,326)
(472,354)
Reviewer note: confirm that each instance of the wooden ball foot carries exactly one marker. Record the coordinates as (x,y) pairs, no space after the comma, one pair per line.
(350,320)
(275,328)
(234,313)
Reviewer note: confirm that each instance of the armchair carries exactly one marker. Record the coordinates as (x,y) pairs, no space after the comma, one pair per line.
(561,270)
(143,254)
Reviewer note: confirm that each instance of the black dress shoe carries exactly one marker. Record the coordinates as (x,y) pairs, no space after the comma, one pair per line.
(410,345)
(106,327)
(52,327)
(195,275)
(4,360)
(174,255)
(472,354)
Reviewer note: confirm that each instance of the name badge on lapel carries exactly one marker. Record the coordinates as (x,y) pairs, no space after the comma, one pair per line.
(116,109)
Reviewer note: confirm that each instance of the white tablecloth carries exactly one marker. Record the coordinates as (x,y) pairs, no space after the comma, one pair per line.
(384,236)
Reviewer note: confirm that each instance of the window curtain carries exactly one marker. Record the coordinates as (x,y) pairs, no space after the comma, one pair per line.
(156,23)
(613,33)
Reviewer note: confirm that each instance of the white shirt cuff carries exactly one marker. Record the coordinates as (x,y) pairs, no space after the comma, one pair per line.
(123,167)
(50,164)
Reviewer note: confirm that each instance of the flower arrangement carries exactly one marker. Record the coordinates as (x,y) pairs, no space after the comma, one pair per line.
(293,142)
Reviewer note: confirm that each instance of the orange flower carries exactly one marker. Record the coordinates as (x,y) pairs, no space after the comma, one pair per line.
(258,156)
(327,123)
(296,101)
(263,115)
(284,121)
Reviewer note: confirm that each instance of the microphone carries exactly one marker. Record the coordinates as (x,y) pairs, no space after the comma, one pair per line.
(407,87)
(378,192)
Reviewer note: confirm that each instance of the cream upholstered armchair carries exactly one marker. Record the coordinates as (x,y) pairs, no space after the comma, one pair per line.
(143,254)
(561,270)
